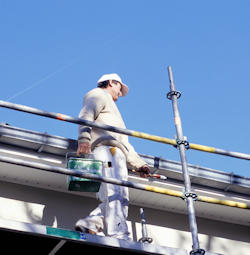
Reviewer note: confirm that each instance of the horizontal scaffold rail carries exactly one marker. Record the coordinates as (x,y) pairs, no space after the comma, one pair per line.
(128,132)
(65,171)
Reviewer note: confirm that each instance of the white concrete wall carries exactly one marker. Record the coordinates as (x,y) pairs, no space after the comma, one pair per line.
(58,209)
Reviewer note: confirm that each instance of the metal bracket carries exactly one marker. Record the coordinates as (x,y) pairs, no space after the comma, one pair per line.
(173,93)
(185,195)
(231,181)
(1,127)
(44,142)
(157,164)
(195,251)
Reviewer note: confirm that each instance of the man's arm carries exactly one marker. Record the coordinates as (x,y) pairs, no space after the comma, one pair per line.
(93,103)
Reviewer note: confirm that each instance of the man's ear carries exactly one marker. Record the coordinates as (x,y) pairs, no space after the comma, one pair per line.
(111,84)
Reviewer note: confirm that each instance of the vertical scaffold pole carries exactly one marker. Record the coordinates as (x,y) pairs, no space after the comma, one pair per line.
(145,238)
(174,95)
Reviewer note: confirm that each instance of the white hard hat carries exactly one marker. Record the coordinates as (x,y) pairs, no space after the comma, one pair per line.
(114,77)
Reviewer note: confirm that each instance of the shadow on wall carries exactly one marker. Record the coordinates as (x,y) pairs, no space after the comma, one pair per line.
(226,246)
(64,211)
(41,206)
(172,230)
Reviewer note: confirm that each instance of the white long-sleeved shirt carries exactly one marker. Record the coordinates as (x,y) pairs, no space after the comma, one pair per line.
(99,106)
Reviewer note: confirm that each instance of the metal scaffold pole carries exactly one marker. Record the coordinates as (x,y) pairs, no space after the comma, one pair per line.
(182,144)
(66,118)
(134,185)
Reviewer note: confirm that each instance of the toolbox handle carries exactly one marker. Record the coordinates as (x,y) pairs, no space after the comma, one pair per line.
(74,152)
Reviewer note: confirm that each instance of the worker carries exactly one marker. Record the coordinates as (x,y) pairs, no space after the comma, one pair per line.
(115,151)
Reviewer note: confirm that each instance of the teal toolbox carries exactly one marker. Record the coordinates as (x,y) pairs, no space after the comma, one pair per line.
(90,166)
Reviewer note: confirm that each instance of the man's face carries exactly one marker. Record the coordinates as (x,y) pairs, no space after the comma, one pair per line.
(115,90)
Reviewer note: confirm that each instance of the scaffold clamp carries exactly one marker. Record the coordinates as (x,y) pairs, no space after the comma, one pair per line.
(146,240)
(185,195)
(179,142)
(173,93)
(199,251)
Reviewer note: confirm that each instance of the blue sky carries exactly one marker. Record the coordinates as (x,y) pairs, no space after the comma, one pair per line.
(53,53)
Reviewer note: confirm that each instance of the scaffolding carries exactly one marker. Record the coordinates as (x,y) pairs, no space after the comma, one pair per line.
(180,142)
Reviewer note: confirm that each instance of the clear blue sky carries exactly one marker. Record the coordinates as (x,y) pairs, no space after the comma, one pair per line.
(53,53)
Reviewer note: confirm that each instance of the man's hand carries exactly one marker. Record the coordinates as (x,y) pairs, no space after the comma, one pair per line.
(145,171)
(83,148)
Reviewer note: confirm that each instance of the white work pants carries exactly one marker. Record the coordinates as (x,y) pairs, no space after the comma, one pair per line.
(113,210)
